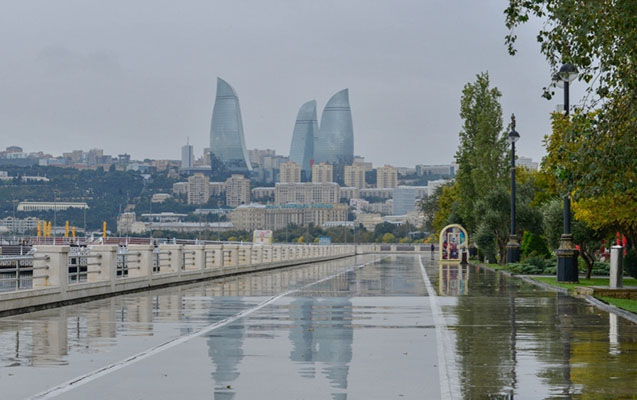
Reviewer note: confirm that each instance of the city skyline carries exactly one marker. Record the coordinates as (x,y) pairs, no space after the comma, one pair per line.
(122,91)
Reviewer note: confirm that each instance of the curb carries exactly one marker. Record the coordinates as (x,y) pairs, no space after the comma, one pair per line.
(590,299)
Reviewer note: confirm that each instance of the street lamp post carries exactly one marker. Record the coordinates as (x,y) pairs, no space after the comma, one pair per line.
(513,246)
(567,253)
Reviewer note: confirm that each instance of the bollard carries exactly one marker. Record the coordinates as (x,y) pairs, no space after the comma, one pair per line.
(616,267)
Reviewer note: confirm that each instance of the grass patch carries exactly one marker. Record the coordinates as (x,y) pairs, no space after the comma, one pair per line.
(626,304)
(551,280)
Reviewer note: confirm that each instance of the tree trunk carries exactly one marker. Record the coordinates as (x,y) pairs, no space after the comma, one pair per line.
(589,259)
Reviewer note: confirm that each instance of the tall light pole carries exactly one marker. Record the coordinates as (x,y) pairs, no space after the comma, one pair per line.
(567,253)
(513,246)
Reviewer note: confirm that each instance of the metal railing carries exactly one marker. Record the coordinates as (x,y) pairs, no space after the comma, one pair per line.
(78,264)
(122,262)
(16,273)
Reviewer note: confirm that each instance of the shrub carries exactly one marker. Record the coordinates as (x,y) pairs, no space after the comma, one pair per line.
(534,245)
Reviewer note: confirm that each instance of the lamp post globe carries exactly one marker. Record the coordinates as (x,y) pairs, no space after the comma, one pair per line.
(513,245)
(567,253)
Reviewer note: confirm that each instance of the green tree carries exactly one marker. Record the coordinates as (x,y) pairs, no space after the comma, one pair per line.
(389,238)
(481,155)
(592,154)
(598,175)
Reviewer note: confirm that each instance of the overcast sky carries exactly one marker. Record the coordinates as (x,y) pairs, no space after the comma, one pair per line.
(140,76)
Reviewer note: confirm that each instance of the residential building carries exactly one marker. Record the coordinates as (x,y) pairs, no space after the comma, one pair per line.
(360,161)
(217,188)
(386,177)
(376,193)
(445,170)
(305,130)
(335,141)
(227,141)
(355,176)
(306,193)
(198,189)
(237,190)
(259,216)
(263,194)
(290,172)
(180,188)
(406,198)
(17,225)
(322,173)
(348,193)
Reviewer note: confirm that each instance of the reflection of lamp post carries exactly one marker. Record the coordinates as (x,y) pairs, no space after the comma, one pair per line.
(513,246)
(567,253)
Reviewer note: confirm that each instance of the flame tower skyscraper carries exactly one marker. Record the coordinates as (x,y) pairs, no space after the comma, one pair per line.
(227,142)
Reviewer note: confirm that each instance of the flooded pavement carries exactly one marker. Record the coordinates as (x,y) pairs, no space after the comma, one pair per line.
(360,328)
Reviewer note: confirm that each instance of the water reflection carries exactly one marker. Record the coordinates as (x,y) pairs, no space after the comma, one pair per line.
(322,338)
(225,349)
(453,279)
(50,337)
(513,340)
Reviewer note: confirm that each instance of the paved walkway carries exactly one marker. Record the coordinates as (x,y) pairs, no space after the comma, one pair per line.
(373,327)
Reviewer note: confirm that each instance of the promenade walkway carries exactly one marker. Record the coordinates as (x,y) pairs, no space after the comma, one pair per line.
(365,327)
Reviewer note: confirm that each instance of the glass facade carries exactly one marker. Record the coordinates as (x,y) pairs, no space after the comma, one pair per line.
(226,129)
(305,129)
(335,141)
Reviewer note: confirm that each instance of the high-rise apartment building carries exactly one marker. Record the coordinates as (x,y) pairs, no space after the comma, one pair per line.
(406,198)
(386,177)
(198,189)
(227,142)
(289,172)
(187,156)
(307,193)
(335,141)
(305,130)
(322,173)
(237,190)
(355,176)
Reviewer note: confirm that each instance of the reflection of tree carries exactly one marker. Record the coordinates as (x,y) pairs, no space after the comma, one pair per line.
(322,332)
(483,339)
(225,349)
(598,369)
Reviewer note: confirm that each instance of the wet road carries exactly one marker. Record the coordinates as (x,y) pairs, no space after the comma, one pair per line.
(361,328)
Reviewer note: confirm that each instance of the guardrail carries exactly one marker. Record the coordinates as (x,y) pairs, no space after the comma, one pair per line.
(60,274)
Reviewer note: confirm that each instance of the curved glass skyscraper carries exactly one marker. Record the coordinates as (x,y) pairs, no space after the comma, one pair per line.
(305,129)
(335,141)
(226,129)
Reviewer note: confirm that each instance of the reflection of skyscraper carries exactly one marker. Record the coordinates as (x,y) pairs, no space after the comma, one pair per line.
(225,349)
(305,129)
(227,143)
(335,141)
(314,341)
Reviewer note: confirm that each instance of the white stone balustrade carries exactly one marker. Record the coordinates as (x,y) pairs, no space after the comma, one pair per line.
(177,263)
